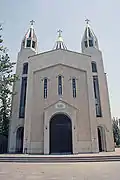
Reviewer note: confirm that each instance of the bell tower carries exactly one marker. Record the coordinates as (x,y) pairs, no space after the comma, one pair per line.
(89,38)
(30,39)
(28,48)
(89,46)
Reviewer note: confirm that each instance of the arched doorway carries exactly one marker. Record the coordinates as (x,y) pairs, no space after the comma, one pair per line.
(19,140)
(60,134)
(101,139)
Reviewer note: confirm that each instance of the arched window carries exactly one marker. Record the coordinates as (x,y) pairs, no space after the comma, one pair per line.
(74,87)
(90,43)
(45,88)
(89,32)
(101,138)
(30,34)
(97,96)
(59,85)
(33,44)
(28,43)
(23,97)
(19,140)
(94,67)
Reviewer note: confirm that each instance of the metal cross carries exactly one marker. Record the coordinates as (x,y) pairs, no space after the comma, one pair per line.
(32,22)
(60,32)
(87,21)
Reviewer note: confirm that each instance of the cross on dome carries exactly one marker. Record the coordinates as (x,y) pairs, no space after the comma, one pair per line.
(59,43)
(30,39)
(87,21)
(59,33)
(60,39)
(89,38)
(32,22)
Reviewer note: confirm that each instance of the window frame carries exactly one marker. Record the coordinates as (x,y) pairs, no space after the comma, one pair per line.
(60,84)
(28,43)
(23,97)
(97,96)
(25,68)
(94,66)
(33,44)
(45,88)
(90,43)
(74,87)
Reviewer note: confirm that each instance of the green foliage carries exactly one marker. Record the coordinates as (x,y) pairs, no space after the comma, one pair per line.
(6,82)
(116,132)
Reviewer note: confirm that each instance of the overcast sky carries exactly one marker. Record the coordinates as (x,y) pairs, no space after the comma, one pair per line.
(68,15)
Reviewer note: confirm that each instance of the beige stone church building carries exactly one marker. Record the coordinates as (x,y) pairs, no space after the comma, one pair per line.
(60,103)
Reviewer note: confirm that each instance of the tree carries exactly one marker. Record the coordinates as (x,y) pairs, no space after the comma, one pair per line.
(116,132)
(7,78)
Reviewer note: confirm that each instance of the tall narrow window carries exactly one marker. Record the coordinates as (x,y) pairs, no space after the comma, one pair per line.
(30,34)
(59,85)
(97,96)
(28,43)
(89,32)
(25,68)
(23,98)
(90,43)
(33,44)
(94,67)
(74,87)
(45,88)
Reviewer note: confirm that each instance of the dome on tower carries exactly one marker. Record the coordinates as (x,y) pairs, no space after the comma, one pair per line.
(60,43)
(30,39)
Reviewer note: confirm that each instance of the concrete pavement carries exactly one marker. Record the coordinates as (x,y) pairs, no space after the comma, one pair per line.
(77,171)
(62,171)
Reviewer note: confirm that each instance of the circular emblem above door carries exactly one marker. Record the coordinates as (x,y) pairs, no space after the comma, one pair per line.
(60,105)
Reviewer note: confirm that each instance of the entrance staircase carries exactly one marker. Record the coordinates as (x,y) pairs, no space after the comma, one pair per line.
(58,159)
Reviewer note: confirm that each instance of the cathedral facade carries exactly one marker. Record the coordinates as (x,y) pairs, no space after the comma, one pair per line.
(61,103)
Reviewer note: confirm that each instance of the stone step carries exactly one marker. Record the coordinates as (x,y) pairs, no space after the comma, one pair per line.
(65,159)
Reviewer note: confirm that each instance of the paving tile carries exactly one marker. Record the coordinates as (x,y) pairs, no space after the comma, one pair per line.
(66,171)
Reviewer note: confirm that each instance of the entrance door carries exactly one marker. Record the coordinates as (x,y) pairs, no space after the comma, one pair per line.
(101,139)
(19,140)
(60,135)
